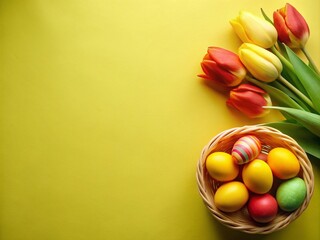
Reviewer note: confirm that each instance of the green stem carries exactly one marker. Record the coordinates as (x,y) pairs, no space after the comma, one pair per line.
(296,91)
(282,58)
(311,62)
(290,69)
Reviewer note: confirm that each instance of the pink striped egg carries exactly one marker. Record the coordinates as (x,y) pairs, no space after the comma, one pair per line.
(245,149)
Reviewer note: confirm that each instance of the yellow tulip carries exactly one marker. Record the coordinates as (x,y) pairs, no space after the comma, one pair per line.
(253,29)
(261,63)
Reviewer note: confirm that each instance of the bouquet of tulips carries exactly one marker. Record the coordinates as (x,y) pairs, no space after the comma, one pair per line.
(272,70)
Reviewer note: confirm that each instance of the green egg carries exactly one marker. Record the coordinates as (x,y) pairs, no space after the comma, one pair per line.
(291,194)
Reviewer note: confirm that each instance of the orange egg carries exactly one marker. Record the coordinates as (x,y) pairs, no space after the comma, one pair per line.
(283,163)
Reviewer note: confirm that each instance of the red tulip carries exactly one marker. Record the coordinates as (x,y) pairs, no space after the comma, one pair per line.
(250,100)
(292,28)
(223,67)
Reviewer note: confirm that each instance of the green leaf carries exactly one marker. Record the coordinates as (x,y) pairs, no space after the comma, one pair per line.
(279,96)
(308,78)
(282,48)
(293,79)
(265,16)
(285,90)
(311,121)
(306,139)
(288,69)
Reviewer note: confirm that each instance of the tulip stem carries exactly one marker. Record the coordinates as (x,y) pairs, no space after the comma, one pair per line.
(296,91)
(282,58)
(311,62)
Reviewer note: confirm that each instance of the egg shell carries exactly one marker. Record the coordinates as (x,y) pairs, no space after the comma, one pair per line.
(257,176)
(262,208)
(221,167)
(291,194)
(231,196)
(283,163)
(246,149)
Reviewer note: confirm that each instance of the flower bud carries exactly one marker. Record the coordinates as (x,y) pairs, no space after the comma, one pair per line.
(250,100)
(253,29)
(292,28)
(223,67)
(261,63)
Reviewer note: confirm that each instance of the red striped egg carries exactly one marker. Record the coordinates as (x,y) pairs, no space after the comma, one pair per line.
(246,149)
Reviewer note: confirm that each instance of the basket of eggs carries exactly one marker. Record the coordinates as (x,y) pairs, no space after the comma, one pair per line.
(255,179)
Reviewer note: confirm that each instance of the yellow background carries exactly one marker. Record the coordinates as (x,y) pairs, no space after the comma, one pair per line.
(103,117)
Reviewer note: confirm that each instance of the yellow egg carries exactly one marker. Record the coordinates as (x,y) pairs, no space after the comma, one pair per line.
(283,163)
(231,196)
(257,176)
(221,167)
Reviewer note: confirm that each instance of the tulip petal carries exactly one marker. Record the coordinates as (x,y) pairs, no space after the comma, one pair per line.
(292,28)
(215,73)
(258,66)
(283,30)
(252,109)
(237,27)
(269,56)
(260,31)
(223,67)
(225,59)
(261,63)
(249,87)
(249,100)
(296,23)
(206,57)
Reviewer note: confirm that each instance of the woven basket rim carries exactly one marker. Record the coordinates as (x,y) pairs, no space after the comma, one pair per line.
(237,221)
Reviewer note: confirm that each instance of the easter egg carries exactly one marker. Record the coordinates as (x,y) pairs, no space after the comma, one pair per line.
(221,167)
(231,196)
(283,163)
(291,194)
(257,176)
(262,208)
(246,149)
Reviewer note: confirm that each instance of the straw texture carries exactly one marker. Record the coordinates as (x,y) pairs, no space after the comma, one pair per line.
(241,220)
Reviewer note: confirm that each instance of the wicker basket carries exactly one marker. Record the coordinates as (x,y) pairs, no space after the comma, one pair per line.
(241,220)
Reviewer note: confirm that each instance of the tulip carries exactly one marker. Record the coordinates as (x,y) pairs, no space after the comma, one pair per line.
(292,28)
(253,29)
(250,100)
(261,63)
(223,67)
